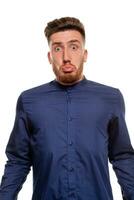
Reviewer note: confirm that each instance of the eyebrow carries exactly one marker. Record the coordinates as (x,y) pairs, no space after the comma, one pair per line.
(71,41)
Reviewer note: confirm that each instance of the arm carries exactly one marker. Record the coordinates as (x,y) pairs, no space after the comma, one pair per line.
(18,154)
(121,152)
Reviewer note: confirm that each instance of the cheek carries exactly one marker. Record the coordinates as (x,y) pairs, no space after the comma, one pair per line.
(78,59)
(57,59)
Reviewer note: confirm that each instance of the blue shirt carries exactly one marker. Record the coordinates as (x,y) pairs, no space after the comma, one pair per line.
(68,134)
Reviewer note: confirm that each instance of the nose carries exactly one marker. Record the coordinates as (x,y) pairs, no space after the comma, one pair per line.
(66,56)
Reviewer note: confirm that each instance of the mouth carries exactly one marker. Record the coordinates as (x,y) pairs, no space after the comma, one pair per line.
(68,68)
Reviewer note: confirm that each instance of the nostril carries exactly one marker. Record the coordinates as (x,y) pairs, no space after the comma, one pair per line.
(66,61)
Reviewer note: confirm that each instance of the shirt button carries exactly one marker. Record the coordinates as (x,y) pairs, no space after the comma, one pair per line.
(70,143)
(70,119)
(72,195)
(71,169)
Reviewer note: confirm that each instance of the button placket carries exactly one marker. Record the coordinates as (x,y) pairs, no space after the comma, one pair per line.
(71,152)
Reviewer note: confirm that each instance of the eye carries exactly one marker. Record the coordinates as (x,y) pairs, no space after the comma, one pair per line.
(74,47)
(57,49)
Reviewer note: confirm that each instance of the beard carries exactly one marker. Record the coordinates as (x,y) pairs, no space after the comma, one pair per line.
(68,77)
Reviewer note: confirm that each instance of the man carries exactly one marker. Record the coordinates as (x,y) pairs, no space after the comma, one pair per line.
(68,129)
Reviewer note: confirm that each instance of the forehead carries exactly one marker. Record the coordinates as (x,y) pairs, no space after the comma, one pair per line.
(66,36)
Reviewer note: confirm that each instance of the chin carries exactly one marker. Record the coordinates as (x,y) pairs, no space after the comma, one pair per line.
(69,78)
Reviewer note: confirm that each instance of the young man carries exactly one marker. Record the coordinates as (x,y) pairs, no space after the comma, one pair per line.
(68,129)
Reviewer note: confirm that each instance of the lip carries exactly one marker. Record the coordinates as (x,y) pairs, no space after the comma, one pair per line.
(68,68)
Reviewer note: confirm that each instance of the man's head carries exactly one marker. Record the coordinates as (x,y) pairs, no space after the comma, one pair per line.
(66,39)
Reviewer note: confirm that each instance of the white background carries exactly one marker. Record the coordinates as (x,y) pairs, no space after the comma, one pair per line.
(23,56)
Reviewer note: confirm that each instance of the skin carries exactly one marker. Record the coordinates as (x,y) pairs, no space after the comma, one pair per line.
(67,56)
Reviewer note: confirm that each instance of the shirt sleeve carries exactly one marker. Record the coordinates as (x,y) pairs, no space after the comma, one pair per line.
(121,152)
(18,153)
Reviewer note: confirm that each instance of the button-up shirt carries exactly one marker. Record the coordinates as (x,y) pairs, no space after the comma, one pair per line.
(68,135)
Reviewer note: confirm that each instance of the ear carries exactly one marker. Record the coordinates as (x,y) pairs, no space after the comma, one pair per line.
(85,55)
(49,57)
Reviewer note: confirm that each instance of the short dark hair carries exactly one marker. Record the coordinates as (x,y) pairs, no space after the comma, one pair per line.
(63,24)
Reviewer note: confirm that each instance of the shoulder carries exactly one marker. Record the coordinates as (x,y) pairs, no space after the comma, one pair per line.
(31,97)
(38,90)
(102,88)
(34,94)
(107,92)
(111,95)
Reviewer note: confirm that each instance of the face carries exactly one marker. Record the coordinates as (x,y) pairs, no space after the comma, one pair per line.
(67,56)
